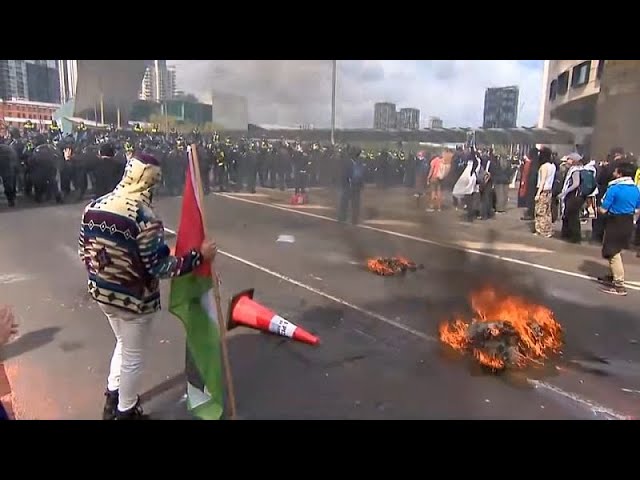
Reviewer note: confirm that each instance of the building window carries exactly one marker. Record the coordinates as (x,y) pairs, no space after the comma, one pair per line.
(580,76)
(563,83)
(553,90)
(600,69)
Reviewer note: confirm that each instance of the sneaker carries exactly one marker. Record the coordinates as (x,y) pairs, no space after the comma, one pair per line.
(614,290)
(110,405)
(134,413)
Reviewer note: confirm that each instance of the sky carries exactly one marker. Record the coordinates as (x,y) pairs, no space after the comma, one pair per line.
(294,92)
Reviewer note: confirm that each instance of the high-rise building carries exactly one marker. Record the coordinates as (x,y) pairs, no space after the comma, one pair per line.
(500,107)
(436,122)
(30,80)
(384,116)
(68,75)
(13,79)
(408,119)
(172,85)
(43,82)
(155,81)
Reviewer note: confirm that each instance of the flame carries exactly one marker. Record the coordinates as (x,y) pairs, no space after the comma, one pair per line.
(506,330)
(390,266)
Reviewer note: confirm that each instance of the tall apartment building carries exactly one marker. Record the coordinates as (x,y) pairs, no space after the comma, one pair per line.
(436,122)
(156,83)
(384,116)
(408,119)
(172,84)
(500,107)
(31,80)
(13,79)
(68,78)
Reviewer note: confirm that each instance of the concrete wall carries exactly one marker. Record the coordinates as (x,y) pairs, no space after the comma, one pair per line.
(116,81)
(618,108)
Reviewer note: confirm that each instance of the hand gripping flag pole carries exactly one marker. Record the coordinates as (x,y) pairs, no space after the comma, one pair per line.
(231,396)
(207,363)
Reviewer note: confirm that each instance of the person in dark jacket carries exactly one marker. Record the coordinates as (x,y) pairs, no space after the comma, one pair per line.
(619,206)
(503,171)
(352,181)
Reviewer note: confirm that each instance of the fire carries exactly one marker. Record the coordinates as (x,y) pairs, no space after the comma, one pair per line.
(390,266)
(505,331)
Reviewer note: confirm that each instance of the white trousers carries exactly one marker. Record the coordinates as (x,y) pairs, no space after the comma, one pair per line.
(132,334)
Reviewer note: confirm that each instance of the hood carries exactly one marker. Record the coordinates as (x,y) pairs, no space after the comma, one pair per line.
(141,174)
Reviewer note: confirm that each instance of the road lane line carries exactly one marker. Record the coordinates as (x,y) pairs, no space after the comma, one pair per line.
(585,403)
(452,246)
(328,296)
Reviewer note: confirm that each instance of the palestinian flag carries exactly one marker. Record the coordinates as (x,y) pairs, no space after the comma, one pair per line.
(192,301)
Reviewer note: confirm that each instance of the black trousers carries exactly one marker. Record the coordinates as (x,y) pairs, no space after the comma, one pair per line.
(571,219)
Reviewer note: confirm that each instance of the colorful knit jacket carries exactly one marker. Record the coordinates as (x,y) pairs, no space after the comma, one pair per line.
(122,243)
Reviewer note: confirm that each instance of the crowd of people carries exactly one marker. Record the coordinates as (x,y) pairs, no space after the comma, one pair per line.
(571,189)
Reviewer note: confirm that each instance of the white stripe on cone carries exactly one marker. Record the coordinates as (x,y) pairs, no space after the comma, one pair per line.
(281,326)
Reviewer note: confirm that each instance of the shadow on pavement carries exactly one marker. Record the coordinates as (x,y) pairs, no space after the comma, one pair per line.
(593,268)
(28,341)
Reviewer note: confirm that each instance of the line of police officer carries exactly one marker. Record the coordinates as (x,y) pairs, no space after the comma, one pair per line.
(33,162)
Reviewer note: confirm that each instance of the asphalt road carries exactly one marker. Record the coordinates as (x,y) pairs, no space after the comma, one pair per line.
(379,357)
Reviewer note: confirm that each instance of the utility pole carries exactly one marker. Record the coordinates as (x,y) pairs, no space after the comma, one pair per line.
(333,103)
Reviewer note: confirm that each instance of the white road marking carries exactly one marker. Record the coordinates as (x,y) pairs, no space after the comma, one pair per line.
(307,206)
(390,222)
(542,385)
(328,296)
(589,405)
(244,194)
(7,278)
(494,256)
(507,247)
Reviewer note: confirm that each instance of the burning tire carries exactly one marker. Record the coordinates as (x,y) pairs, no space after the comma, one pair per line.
(388,266)
(505,332)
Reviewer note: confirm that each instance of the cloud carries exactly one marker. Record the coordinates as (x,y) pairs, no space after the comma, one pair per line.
(292,92)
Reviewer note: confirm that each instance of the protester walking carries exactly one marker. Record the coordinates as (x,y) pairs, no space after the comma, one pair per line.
(619,205)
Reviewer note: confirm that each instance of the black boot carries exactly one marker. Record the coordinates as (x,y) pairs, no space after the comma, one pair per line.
(110,405)
(134,413)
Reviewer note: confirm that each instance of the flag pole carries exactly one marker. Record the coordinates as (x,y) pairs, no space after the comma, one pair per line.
(222,325)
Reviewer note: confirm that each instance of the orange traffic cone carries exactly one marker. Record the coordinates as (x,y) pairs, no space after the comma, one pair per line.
(243,310)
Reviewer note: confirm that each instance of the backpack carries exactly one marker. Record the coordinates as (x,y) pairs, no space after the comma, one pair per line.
(558,182)
(587,182)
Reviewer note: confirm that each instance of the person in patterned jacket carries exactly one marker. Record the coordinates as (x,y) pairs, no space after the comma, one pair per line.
(122,246)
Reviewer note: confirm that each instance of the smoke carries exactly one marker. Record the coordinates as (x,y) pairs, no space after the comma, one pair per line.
(293,92)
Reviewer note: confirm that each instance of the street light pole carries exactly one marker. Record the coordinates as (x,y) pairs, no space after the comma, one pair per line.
(333,102)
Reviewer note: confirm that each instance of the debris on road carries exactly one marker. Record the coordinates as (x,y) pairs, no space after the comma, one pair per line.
(506,331)
(286,239)
(388,266)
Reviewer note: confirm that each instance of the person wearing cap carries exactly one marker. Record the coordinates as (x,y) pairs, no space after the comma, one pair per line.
(619,205)
(122,246)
